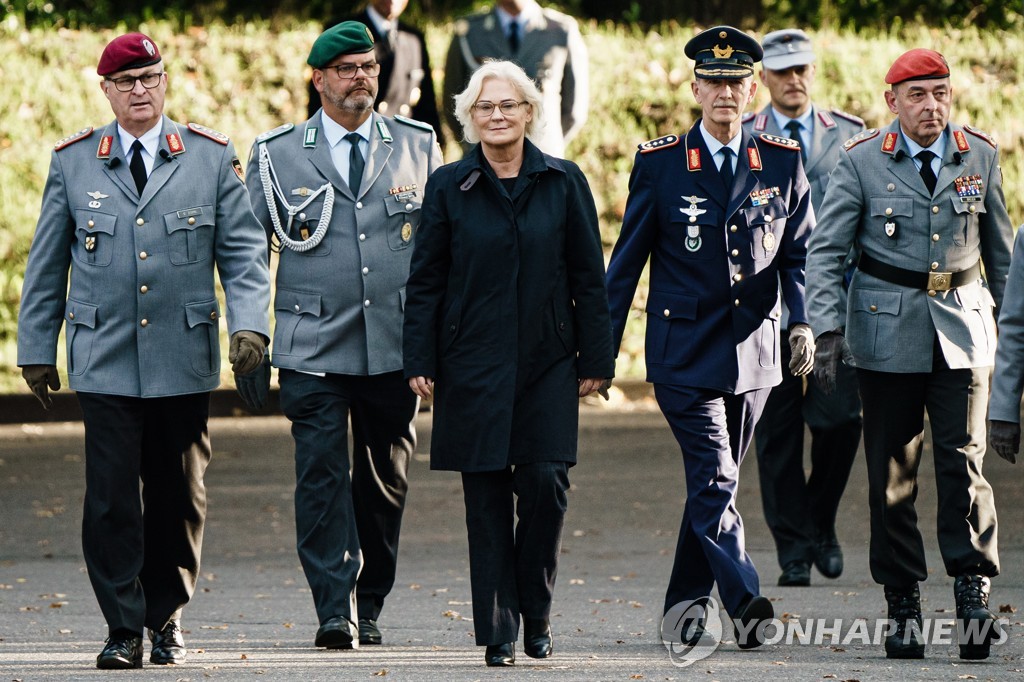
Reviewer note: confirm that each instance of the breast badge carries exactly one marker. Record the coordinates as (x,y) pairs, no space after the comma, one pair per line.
(768,241)
(406,232)
(693,241)
(692,209)
(969,188)
(96,196)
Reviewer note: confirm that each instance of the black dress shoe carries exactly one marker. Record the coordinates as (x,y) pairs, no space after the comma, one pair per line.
(336,633)
(168,644)
(828,555)
(369,633)
(500,655)
(752,615)
(796,573)
(537,637)
(122,651)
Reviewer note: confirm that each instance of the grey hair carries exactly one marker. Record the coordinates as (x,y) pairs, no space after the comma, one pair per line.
(510,73)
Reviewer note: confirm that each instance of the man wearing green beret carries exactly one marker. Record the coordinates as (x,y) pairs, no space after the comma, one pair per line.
(339,197)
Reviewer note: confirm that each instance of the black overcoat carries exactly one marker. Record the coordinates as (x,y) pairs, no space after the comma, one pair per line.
(506,309)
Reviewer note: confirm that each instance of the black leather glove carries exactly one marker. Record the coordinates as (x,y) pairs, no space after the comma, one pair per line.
(830,348)
(1005,439)
(801,346)
(246,351)
(254,387)
(39,378)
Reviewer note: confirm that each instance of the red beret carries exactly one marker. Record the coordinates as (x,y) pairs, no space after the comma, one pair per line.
(130,51)
(917,64)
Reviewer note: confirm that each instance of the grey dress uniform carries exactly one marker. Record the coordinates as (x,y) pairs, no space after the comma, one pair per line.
(339,311)
(551,52)
(142,318)
(921,328)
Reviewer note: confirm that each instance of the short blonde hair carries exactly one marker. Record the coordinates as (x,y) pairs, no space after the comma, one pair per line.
(510,73)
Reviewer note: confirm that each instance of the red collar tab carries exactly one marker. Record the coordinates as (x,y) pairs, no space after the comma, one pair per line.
(754,157)
(693,159)
(961,141)
(103,151)
(826,119)
(889,143)
(175,144)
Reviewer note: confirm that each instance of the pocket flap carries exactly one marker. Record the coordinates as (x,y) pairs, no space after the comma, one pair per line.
(298,302)
(876,301)
(394,206)
(892,206)
(188,218)
(672,306)
(203,312)
(91,221)
(968,207)
(76,312)
(765,214)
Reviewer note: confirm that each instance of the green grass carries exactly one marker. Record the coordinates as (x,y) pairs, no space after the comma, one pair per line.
(244,79)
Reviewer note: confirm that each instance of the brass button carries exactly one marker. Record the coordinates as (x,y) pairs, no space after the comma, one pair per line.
(144,323)
(873,308)
(888,211)
(891,187)
(666,312)
(192,221)
(931,292)
(971,209)
(935,237)
(935,209)
(935,266)
(143,255)
(408,207)
(735,252)
(140,222)
(693,219)
(213,315)
(143,288)
(768,218)
(737,277)
(733,228)
(91,223)
(736,303)
(71,316)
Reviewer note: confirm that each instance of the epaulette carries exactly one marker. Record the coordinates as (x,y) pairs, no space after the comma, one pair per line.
(71,139)
(214,135)
(748,117)
(414,123)
(978,133)
(860,137)
(271,134)
(783,142)
(660,143)
(849,117)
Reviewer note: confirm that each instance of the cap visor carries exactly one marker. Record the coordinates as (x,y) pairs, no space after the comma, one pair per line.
(786,61)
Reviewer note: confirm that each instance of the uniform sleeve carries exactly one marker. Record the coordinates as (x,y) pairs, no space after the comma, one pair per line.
(44,290)
(793,251)
(575,85)
(1008,377)
(241,253)
(995,234)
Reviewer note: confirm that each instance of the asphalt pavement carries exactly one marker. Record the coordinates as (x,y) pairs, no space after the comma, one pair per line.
(252,617)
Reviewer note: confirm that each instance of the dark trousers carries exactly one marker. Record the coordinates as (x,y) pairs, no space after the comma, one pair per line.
(512,565)
(799,508)
(714,431)
(347,522)
(894,407)
(142,552)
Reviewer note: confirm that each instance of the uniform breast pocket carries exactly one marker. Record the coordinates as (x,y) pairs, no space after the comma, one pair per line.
(190,234)
(874,330)
(81,330)
(695,233)
(765,225)
(969,213)
(403,219)
(94,238)
(202,319)
(887,214)
(297,314)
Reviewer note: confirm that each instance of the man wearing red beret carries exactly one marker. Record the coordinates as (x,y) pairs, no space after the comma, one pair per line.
(137,215)
(923,202)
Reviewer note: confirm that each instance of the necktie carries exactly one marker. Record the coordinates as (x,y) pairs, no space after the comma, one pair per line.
(513,36)
(138,167)
(927,174)
(726,169)
(355,162)
(794,128)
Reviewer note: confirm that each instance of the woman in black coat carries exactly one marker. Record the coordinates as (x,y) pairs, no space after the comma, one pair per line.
(507,323)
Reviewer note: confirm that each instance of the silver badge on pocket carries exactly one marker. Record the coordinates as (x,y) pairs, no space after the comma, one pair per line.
(890,229)
(693,241)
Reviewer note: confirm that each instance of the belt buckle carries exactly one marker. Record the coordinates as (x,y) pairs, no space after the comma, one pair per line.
(940,281)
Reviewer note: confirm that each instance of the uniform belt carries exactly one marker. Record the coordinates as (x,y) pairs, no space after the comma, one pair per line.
(934,281)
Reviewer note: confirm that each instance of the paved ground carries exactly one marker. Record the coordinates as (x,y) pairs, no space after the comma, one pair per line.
(253,617)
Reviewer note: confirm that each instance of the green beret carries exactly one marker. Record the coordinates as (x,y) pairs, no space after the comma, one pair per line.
(348,37)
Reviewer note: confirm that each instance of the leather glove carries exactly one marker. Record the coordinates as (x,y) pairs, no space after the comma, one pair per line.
(39,378)
(801,345)
(254,387)
(246,351)
(603,391)
(831,347)
(1005,439)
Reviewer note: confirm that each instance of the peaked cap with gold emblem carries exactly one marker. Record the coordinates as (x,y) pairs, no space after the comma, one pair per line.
(723,52)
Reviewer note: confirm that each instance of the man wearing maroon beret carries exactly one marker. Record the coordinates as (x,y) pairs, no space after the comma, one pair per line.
(137,215)
(922,200)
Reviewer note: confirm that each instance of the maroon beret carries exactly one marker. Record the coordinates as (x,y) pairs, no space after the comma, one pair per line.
(917,64)
(130,51)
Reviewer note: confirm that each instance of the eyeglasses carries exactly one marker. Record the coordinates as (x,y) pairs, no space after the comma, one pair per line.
(508,108)
(127,83)
(346,71)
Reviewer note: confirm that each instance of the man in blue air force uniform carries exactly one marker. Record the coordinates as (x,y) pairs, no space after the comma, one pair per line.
(723,218)
(341,196)
(141,213)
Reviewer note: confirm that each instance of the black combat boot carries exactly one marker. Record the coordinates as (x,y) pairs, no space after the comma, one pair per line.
(905,612)
(976,626)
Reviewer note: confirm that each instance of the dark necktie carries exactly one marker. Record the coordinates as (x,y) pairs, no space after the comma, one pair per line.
(927,174)
(513,36)
(138,167)
(355,162)
(726,169)
(794,134)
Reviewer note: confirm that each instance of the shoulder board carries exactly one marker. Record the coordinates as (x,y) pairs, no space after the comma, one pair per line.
(214,135)
(271,134)
(71,139)
(848,117)
(414,123)
(978,133)
(748,117)
(784,142)
(660,143)
(860,137)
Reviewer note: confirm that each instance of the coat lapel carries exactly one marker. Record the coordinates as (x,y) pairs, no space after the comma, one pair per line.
(164,165)
(953,163)
(899,161)
(116,165)
(745,178)
(376,159)
(823,140)
(320,157)
(707,178)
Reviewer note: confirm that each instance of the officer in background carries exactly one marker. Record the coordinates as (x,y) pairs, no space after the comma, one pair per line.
(340,197)
(923,203)
(545,43)
(723,218)
(140,213)
(801,511)
(405,83)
